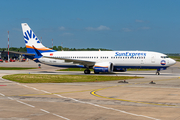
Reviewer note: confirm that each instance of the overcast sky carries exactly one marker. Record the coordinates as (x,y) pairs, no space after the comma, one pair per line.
(149,25)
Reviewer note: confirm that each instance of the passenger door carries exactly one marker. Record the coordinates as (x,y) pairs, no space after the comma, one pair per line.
(153,59)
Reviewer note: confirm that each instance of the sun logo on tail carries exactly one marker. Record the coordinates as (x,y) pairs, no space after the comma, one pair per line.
(30,35)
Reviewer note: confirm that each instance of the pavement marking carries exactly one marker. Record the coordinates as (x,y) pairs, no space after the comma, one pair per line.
(54,114)
(45,91)
(124,111)
(94,93)
(18,83)
(24,85)
(35,89)
(7,80)
(60,96)
(61,116)
(25,103)
(32,105)
(2,94)
(96,105)
(48,93)
(10,98)
(44,111)
(97,95)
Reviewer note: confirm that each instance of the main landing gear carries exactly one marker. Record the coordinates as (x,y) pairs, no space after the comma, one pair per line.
(87,71)
(158,72)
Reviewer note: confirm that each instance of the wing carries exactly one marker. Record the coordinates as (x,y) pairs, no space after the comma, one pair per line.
(75,61)
(20,53)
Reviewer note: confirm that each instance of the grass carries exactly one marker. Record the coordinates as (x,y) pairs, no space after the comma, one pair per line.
(174,57)
(43,78)
(15,68)
(177,58)
(82,69)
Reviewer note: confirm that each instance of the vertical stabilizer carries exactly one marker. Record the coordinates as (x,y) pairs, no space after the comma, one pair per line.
(32,40)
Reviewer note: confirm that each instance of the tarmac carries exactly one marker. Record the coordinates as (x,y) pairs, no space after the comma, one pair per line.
(112,100)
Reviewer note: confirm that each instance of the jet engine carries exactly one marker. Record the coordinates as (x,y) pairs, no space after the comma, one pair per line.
(103,67)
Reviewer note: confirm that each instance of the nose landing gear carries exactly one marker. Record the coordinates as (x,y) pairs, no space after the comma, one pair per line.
(158,72)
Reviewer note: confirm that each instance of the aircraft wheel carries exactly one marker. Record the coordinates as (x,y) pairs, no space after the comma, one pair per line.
(87,71)
(157,73)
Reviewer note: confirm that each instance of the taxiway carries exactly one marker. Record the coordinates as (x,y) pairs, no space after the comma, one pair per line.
(135,100)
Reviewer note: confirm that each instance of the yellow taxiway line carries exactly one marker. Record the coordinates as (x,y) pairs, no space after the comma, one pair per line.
(100,96)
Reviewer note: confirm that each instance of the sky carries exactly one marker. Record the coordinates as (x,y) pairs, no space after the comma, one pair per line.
(148,25)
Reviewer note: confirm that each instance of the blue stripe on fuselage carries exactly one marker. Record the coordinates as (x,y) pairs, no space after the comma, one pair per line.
(115,67)
(142,67)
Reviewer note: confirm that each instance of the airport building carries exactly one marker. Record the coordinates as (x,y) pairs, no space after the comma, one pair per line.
(12,56)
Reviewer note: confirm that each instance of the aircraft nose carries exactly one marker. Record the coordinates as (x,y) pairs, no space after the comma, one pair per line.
(172,62)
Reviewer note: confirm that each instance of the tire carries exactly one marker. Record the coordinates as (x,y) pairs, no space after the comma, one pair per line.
(87,71)
(157,73)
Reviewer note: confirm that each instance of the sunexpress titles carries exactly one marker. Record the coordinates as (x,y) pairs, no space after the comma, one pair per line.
(128,54)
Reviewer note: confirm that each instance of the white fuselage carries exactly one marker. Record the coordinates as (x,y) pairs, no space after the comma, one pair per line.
(120,59)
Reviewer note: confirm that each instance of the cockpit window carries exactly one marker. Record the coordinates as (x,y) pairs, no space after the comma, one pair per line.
(164,56)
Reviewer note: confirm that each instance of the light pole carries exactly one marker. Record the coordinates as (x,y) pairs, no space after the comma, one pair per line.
(8,46)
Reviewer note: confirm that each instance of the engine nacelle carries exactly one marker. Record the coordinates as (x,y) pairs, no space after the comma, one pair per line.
(103,67)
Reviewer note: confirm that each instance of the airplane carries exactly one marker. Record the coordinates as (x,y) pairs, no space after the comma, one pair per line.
(99,61)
